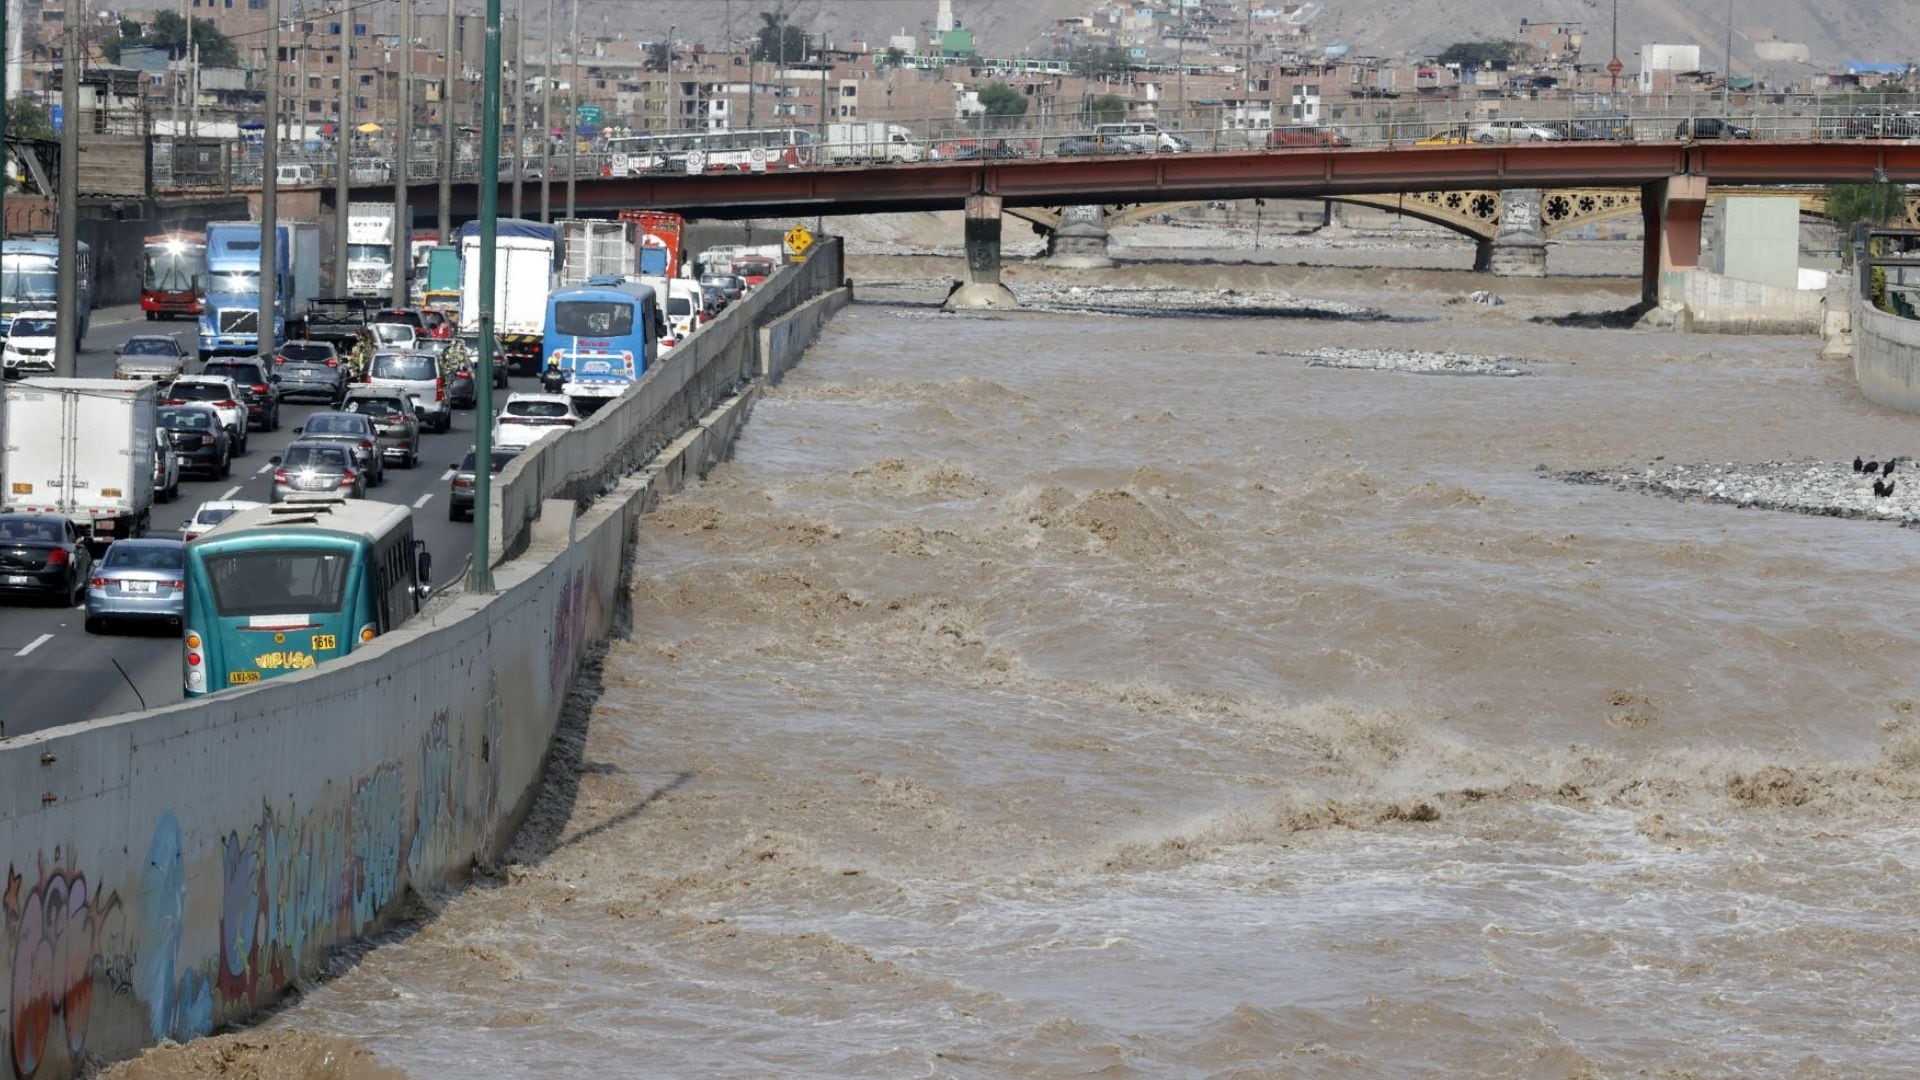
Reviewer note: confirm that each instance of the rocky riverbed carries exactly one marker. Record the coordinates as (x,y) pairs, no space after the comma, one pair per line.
(1415,362)
(1821,488)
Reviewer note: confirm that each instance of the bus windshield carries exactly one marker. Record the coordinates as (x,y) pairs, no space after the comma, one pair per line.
(35,281)
(593,318)
(286,581)
(170,271)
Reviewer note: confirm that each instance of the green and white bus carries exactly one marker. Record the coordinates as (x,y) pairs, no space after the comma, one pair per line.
(287,587)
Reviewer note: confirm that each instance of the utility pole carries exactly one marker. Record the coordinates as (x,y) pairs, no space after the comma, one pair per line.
(825,65)
(673,91)
(546,126)
(298,131)
(269,206)
(343,151)
(446,132)
(67,286)
(402,150)
(1181,63)
(573,99)
(179,70)
(1248,93)
(193,82)
(519,101)
(480,568)
(1726,84)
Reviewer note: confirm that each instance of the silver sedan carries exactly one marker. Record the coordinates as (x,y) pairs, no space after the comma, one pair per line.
(138,581)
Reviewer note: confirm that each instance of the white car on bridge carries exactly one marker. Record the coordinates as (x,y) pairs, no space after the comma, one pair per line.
(1513,131)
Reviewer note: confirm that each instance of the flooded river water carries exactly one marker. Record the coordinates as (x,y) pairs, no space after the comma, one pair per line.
(1054,694)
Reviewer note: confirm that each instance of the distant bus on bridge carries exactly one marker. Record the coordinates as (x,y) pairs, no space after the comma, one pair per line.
(724,151)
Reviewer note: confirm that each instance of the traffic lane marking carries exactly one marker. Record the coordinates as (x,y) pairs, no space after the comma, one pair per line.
(422,500)
(34,644)
(231,492)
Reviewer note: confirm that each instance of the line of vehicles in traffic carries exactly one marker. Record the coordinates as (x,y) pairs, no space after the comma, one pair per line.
(260,589)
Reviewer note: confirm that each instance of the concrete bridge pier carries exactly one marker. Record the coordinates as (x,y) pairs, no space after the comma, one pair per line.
(1080,243)
(982,287)
(1519,249)
(1672,209)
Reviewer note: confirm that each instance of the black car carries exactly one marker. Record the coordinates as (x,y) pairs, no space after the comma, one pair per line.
(729,286)
(460,485)
(42,556)
(997,152)
(471,342)
(1711,127)
(260,387)
(199,439)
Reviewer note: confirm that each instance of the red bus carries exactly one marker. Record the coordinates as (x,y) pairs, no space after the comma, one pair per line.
(174,281)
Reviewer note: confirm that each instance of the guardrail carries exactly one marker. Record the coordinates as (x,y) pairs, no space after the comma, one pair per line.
(581,463)
(1359,122)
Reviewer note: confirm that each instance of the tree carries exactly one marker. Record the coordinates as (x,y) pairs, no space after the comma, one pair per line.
(1002,103)
(1876,204)
(169,32)
(26,119)
(1476,53)
(1097,62)
(778,39)
(1106,109)
(892,57)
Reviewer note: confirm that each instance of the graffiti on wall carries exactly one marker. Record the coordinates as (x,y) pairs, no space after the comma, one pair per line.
(56,924)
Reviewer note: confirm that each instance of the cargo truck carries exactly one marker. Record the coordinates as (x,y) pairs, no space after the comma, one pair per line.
(83,449)
(596,249)
(440,284)
(524,258)
(369,249)
(230,324)
(870,141)
(661,248)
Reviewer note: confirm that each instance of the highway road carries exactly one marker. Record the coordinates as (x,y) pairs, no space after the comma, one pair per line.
(53,672)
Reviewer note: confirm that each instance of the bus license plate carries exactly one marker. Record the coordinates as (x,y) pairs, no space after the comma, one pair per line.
(324,641)
(237,678)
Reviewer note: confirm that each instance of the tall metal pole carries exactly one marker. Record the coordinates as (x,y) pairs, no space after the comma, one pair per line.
(825,67)
(446,132)
(573,99)
(179,70)
(519,101)
(193,82)
(343,151)
(1726,84)
(269,205)
(1613,79)
(1181,63)
(546,125)
(480,571)
(67,287)
(402,150)
(6,86)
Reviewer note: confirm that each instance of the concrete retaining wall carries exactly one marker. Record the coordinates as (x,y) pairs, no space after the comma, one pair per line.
(1716,304)
(628,431)
(1886,357)
(176,870)
(782,341)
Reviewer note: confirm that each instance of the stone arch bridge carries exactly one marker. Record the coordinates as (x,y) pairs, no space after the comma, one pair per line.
(1479,214)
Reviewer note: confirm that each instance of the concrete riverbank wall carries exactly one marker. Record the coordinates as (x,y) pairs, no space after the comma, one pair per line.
(172,871)
(1886,356)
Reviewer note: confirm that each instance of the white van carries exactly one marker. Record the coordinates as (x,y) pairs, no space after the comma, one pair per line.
(295,175)
(685,302)
(1141,137)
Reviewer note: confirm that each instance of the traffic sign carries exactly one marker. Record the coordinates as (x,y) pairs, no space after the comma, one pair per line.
(757,159)
(57,116)
(798,241)
(696,162)
(590,114)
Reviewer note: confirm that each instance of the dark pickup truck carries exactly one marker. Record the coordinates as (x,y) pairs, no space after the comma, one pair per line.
(339,321)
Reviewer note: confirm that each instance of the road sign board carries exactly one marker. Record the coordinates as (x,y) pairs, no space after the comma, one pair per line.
(757,159)
(696,162)
(798,241)
(590,114)
(57,116)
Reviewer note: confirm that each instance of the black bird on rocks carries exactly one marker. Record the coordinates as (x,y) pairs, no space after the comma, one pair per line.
(1870,467)
(1858,465)
(1887,469)
(1882,490)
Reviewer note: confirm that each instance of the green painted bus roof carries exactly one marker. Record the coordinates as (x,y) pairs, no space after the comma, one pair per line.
(362,518)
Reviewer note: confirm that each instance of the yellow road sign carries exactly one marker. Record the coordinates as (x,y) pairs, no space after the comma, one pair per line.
(799,240)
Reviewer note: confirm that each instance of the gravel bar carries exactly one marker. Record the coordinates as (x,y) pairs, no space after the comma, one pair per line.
(1415,362)
(1822,488)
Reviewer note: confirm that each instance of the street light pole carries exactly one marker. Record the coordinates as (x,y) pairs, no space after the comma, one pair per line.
(1726,84)
(573,99)
(402,151)
(446,132)
(343,152)
(67,286)
(480,569)
(546,126)
(269,206)
(519,100)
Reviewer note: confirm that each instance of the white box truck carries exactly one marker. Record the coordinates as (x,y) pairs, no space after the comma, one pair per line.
(871,140)
(303,274)
(369,249)
(81,448)
(592,249)
(523,266)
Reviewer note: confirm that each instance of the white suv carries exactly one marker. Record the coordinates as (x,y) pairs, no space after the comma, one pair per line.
(417,373)
(526,417)
(30,344)
(222,395)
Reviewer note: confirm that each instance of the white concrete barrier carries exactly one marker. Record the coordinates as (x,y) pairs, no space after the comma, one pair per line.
(1886,356)
(1718,304)
(179,869)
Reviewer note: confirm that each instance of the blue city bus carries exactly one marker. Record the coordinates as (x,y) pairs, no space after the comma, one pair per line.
(287,587)
(601,335)
(30,280)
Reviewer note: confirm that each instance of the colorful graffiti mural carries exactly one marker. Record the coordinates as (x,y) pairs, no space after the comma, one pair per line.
(55,928)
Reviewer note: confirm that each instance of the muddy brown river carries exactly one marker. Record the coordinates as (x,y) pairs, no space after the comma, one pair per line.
(1060,695)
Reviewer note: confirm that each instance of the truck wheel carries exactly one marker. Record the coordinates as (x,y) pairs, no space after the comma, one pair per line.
(152,315)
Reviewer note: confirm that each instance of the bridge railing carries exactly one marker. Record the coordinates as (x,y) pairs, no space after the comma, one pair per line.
(1388,123)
